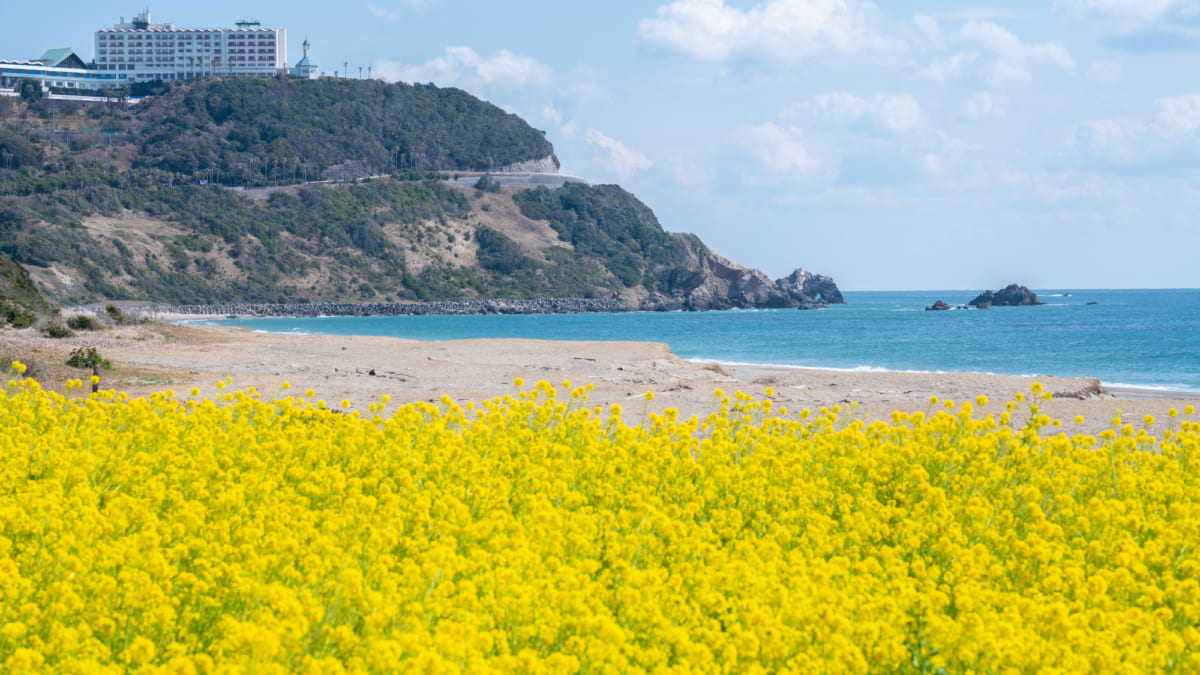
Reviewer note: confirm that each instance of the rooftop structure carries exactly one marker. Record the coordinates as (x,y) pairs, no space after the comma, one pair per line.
(58,68)
(140,50)
(304,67)
(159,51)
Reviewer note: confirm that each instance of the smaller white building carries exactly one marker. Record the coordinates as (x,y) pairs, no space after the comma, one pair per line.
(58,68)
(305,67)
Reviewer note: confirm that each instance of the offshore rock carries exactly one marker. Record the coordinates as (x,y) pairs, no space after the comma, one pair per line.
(807,288)
(938,306)
(1012,295)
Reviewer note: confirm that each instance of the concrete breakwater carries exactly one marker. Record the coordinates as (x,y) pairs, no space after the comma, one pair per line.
(513,306)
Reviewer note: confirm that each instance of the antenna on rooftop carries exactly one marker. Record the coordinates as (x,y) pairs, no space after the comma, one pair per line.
(248,23)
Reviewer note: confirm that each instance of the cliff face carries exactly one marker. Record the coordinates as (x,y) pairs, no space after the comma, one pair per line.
(547,164)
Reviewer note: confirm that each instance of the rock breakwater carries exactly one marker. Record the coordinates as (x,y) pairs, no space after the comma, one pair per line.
(448,307)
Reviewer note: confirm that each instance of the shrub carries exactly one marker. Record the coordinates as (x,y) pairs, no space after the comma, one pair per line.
(84,322)
(57,330)
(487,184)
(116,315)
(18,317)
(33,368)
(88,357)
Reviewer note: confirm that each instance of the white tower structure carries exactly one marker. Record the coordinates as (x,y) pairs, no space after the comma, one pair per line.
(305,67)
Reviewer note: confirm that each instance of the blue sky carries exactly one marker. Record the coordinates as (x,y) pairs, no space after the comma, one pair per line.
(906,145)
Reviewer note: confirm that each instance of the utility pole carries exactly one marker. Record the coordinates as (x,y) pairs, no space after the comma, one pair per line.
(346,68)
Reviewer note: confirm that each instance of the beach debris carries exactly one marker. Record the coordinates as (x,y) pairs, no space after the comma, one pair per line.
(1092,389)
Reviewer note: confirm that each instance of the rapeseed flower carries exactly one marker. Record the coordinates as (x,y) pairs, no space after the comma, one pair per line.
(531,534)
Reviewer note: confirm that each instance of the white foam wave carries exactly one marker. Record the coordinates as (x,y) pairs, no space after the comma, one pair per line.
(1159,388)
(290,331)
(792,366)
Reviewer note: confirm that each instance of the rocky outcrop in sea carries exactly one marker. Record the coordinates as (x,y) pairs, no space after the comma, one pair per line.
(807,288)
(1012,295)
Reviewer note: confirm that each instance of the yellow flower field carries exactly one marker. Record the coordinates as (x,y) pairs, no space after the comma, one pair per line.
(264,533)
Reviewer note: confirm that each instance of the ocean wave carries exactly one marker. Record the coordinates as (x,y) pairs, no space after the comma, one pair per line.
(1157,388)
(843,369)
(289,331)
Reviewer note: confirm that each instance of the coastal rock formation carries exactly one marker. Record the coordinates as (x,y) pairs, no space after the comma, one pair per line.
(807,288)
(447,307)
(1012,295)
(727,285)
(938,306)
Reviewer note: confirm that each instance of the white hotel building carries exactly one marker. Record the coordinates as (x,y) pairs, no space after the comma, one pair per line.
(159,51)
(143,51)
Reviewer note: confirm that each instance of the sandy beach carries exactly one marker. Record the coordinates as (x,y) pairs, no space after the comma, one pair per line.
(156,357)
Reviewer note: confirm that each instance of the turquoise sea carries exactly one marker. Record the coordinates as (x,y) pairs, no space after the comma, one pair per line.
(1134,338)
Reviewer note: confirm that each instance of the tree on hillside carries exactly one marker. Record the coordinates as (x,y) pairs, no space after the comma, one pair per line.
(31,90)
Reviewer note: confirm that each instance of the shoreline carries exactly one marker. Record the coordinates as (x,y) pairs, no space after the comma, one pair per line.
(361,369)
(1119,390)
(467,307)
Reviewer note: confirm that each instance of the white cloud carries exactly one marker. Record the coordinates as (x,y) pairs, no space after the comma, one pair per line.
(1177,117)
(778,30)
(781,150)
(692,169)
(928,27)
(989,51)
(896,114)
(464,67)
(1129,140)
(1136,11)
(982,105)
(998,40)
(552,115)
(383,12)
(1110,140)
(1104,72)
(392,15)
(1063,187)
(621,160)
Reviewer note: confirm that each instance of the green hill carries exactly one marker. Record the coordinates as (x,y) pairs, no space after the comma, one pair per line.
(255,130)
(20,302)
(199,196)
